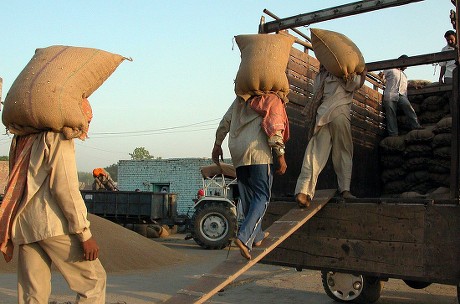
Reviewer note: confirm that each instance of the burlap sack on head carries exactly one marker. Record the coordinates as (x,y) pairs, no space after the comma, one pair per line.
(339,55)
(48,93)
(263,65)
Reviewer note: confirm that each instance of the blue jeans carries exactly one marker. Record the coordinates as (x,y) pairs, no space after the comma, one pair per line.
(390,111)
(254,184)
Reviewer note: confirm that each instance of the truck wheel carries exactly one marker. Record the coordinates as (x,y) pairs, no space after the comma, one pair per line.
(345,287)
(213,225)
(458,293)
(417,284)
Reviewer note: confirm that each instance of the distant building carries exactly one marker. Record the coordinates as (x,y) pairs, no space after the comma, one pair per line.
(181,176)
(4,169)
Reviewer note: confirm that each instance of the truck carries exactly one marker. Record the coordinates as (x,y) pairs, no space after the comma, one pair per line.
(398,231)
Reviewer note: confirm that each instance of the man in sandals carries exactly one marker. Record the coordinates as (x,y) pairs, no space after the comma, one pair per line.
(255,127)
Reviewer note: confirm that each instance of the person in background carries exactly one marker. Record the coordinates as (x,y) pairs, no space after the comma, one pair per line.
(447,67)
(103,181)
(255,127)
(330,130)
(44,215)
(394,96)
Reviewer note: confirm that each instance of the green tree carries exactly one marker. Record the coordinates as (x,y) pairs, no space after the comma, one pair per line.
(113,171)
(140,153)
(4,157)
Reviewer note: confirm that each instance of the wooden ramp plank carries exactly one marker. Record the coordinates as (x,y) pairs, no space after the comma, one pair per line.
(226,272)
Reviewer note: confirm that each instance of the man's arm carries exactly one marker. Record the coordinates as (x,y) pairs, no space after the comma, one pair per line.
(64,188)
(441,74)
(277,144)
(221,132)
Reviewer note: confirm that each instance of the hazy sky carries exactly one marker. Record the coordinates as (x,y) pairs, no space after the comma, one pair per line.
(171,97)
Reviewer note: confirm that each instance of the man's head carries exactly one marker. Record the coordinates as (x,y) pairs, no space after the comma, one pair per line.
(451,38)
(404,56)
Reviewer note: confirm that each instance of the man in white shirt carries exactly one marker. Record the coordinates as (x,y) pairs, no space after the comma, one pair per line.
(447,67)
(394,95)
(331,134)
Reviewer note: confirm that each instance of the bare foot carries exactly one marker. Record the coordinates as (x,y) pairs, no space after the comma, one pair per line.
(243,249)
(266,234)
(303,200)
(347,194)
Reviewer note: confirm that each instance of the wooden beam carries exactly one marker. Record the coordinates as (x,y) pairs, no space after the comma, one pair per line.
(222,275)
(455,157)
(411,61)
(430,89)
(332,13)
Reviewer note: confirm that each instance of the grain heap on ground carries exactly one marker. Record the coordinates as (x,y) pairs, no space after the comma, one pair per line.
(122,250)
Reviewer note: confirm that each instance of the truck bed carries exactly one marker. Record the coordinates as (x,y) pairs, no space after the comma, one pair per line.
(409,239)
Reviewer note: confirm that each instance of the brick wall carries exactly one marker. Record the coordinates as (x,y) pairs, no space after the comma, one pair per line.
(181,175)
(3,175)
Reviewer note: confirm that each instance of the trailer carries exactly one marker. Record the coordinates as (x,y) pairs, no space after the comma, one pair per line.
(358,244)
(145,212)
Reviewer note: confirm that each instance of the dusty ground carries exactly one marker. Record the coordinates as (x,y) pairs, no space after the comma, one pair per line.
(261,284)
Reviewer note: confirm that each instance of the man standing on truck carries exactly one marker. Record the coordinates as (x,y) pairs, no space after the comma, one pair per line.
(447,67)
(44,215)
(252,137)
(394,95)
(330,129)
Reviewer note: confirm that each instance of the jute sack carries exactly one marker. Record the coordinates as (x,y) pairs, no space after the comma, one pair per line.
(339,55)
(48,93)
(262,70)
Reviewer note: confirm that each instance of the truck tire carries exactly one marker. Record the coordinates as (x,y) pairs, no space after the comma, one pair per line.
(213,225)
(417,284)
(458,293)
(351,288)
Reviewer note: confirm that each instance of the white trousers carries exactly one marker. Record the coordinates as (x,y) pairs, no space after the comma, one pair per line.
(86,278)
(335,136)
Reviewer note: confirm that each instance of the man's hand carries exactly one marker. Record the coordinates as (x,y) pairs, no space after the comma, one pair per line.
(90,249)
(217,153)
(282,166)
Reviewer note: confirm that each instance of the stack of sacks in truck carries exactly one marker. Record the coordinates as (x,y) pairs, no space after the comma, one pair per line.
(48,93)
(423,163)
(392,159)
(439,168)
(417,157)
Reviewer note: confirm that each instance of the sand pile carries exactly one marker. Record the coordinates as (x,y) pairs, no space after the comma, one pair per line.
(121,249)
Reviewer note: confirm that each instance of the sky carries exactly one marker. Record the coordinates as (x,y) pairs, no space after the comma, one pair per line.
(171,97)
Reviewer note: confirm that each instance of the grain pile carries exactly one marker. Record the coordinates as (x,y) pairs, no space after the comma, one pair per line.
(121,249)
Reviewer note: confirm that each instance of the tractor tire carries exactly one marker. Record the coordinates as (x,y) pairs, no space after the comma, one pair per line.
(213,225)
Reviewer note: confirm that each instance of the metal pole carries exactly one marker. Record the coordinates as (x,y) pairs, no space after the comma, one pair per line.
(332,13)
(266,11)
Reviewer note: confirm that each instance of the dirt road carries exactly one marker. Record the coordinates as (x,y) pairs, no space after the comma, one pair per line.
(261,284)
